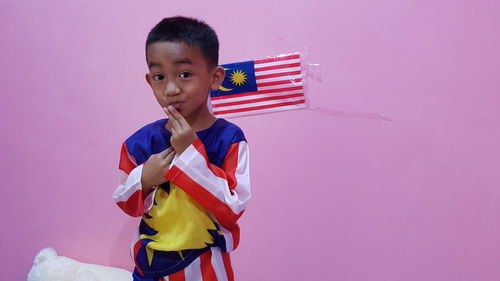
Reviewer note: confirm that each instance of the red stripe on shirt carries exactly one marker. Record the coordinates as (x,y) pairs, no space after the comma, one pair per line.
(207,270)
(227,266)
(198,144)
(134,205)
(230,165)
(137,247)
(178,276)
(222,212)
(126,163)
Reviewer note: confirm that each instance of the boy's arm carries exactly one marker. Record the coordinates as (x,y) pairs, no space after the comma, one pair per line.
(134,194)
(224,191)
(128,195)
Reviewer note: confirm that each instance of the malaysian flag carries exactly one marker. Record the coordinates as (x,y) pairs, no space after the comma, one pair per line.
(260,86)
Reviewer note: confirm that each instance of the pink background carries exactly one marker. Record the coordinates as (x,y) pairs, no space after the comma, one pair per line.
(340,193)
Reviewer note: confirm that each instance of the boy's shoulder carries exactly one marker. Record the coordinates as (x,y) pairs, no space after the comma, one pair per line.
(150,139)
(153,128)
(226,130)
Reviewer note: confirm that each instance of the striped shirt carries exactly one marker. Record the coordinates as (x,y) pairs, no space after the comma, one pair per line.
(209,180)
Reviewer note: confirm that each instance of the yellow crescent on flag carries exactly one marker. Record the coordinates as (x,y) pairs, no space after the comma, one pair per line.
(224,89)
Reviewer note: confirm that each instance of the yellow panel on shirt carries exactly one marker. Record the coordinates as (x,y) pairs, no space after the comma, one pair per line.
(181,222)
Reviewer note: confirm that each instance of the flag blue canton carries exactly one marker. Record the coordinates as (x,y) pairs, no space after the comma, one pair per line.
(229,88)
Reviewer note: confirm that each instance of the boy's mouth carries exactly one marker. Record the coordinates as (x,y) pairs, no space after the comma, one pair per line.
(176,104)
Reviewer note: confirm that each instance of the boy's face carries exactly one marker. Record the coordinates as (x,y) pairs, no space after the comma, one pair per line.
(180,76)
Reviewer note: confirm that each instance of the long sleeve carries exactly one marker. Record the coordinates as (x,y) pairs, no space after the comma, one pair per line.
(128,195)
(224,191)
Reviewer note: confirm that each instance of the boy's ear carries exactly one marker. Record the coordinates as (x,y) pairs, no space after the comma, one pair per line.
(217,78)
(148,78)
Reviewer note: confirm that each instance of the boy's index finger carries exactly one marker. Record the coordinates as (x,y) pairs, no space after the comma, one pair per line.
(166,152)
(175,123)
(178,117)
(167,112)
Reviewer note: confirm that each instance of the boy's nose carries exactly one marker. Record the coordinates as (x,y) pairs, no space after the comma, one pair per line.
(172,89)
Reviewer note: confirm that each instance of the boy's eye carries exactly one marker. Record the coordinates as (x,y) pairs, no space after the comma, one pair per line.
(158,77)
(185,75)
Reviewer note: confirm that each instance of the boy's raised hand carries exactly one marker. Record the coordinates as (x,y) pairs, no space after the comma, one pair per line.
(155,168)
(183,134)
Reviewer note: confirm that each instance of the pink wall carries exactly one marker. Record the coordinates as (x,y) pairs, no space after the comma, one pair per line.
(340,196)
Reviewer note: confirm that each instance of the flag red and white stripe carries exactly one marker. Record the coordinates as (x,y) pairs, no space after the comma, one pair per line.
(280,86)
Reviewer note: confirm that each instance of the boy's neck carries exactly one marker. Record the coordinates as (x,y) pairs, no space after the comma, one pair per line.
(201,121)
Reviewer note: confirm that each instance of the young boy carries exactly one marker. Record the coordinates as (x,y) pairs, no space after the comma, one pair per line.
(188,175)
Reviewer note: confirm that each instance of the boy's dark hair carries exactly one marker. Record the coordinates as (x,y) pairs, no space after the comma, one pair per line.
(191,31)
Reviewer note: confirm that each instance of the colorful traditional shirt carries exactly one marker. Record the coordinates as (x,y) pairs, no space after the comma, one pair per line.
(207,191)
